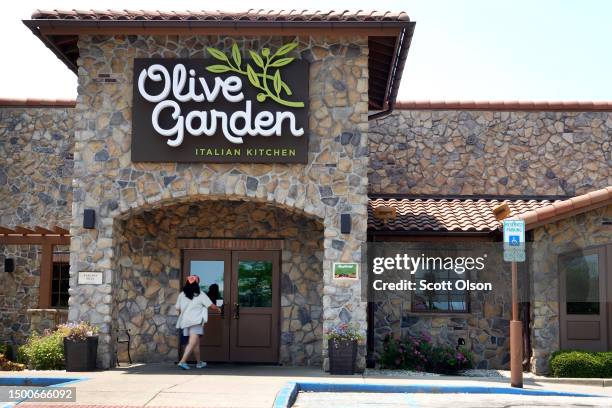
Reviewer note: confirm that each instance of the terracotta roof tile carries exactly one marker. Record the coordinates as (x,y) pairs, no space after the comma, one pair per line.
(567,208)
(252,15)
(37,103)
(563,106)
(464,215)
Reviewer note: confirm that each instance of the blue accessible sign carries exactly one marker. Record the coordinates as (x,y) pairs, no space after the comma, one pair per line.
(514,240)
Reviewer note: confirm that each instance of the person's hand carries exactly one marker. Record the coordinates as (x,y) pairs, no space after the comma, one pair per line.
(215,308)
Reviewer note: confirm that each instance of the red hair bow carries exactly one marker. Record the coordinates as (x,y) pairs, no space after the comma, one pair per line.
(193,278)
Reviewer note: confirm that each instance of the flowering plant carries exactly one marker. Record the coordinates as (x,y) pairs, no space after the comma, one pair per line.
(78,331)
(342,333)
(419,353)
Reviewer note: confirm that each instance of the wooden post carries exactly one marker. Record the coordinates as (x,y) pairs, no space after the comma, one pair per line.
(46,274)
(516,335)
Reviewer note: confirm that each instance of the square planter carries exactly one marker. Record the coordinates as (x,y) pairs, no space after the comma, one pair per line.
(342,357)
(81,355)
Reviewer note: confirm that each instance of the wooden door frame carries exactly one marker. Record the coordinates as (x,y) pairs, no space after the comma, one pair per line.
(231,244)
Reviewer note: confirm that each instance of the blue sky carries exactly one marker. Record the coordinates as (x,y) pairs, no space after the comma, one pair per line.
(461,50)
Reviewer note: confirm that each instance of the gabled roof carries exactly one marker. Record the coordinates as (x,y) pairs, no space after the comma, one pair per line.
(442,215)
(508,106)
(389,33)
(37,103)
(567,208)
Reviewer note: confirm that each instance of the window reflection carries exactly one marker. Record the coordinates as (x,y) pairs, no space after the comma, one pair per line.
(582,284)
(255,283)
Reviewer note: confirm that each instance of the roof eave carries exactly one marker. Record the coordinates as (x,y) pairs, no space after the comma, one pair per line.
(565,209)
(214,24)
(51,45)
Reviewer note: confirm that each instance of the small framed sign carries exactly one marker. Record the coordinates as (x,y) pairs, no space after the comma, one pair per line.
(346,270)
(90,278)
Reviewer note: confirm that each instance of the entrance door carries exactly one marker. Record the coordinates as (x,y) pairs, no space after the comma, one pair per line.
(583,306)
(247,329)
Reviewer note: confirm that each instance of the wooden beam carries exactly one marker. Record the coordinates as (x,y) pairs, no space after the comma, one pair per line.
(43,231)
(61,231)
(4,230)
(46,274)
(24,231)
(230,243)
(34,240)
(63,40)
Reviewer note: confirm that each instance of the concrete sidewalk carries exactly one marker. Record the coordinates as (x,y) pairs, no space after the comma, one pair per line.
(224,386)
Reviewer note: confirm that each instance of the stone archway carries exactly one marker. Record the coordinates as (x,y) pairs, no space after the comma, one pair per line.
(149,262)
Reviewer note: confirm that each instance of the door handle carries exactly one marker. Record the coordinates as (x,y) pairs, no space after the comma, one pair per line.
(236,311)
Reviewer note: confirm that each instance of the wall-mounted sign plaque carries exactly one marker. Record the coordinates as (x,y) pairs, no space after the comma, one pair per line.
(345,270)
(224,109)
(90,278)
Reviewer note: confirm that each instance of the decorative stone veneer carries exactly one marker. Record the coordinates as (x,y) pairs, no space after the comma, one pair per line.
(333,182)
(476,152)
(18,292)
(589,229)
(150,260)
(36,147)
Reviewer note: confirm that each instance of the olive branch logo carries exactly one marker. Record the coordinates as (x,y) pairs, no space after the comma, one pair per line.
(260,80)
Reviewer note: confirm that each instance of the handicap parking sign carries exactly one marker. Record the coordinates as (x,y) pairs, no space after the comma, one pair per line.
(514,240)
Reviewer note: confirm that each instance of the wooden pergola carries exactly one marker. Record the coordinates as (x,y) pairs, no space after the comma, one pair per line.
(47,239)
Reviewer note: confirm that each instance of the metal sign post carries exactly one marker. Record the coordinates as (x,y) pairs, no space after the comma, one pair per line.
(514,251)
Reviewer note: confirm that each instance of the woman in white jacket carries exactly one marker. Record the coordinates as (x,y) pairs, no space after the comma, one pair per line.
(193,313)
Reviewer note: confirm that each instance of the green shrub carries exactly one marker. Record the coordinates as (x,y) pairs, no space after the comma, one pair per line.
(581,364)
(421,354)
(44,352)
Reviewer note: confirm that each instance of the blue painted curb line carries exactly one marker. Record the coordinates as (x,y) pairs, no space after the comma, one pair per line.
(287,395)
(38,381)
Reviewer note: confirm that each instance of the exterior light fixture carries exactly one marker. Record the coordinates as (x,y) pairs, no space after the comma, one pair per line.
(345,223)
(9,265)
(89,218)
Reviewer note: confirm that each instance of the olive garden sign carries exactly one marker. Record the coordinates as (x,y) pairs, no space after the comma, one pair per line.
(221,109)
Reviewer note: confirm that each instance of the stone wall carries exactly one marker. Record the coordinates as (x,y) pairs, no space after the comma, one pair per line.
(18,291)
(574,233)
(150,262)
(485,152)
(36,148)
(333,182)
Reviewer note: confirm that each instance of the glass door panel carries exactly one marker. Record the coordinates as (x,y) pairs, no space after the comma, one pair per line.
(212,278)
(255,283)
(582,287)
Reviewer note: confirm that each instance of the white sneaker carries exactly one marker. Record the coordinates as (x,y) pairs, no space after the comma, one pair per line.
(201,364)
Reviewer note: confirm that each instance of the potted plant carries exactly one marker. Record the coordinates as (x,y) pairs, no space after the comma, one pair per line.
(342,348)
(80,346)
